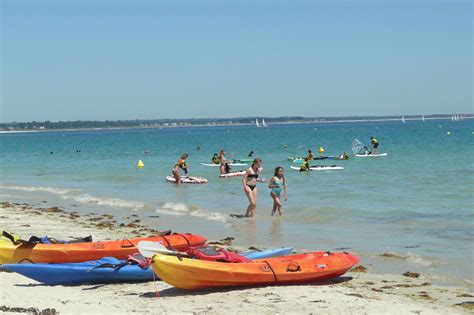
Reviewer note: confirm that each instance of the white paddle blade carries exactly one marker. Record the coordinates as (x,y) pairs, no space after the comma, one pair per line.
(149,249)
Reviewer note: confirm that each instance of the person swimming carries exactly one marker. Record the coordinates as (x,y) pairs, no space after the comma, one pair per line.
(250,154)
(180,164)
(278,180)
(249,181)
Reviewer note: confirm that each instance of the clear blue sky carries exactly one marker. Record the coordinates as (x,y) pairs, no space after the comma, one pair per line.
(97,60)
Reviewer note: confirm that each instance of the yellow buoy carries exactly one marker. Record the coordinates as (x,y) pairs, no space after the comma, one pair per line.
(140,164)
(321,150)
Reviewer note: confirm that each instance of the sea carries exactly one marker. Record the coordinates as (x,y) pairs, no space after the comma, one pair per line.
(412,210)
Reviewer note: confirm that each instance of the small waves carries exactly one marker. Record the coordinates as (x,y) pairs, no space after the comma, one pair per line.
(180,209)
(72,194)
(52,190)
(111,202)
(412,258)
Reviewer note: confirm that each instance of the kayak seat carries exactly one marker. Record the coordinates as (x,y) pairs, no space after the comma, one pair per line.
(293,266)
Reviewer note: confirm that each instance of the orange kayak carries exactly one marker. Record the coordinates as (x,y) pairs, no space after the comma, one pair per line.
(79,252)
(188,273)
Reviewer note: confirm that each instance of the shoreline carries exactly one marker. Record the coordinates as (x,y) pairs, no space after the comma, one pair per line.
(231,124)
(358,292)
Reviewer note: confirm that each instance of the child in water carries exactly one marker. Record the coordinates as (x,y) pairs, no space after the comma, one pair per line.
(276,183)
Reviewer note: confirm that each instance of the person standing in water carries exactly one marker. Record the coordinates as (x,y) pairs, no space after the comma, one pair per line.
(278,180)
(249,181)
(310,155)
(374,145)
(180,164)
(224,168)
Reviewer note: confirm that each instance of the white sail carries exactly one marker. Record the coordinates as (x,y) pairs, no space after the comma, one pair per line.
(423,118)
(256,123)
(263,123)
(403,119)
(359,148)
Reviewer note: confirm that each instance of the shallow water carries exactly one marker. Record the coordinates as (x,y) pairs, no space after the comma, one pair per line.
(416,202)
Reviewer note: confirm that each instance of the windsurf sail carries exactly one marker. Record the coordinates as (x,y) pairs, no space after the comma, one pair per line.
(359,148)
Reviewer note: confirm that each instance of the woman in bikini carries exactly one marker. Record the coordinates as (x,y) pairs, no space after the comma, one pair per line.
(180,164)
(225,167)
(249,181)
(276,183)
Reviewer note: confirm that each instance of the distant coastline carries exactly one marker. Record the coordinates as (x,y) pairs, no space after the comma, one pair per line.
(35,126)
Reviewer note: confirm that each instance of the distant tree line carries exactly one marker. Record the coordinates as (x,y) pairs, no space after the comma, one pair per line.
(90,124)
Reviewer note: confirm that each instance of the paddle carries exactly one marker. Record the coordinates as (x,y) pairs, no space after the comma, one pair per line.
(149,249)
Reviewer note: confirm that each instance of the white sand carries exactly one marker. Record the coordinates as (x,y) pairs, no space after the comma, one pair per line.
(354,293)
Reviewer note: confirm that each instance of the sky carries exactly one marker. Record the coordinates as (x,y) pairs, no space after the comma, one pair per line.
(144,59)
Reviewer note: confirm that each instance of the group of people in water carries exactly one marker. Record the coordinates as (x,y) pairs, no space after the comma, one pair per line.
(251,177)
(249,181)
(277,184)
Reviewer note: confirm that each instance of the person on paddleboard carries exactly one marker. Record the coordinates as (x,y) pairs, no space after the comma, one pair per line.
(276,183)
(374,145)
(310,155)
(180,164)
(343,156)
(215,159)
(249,181)
(305,165)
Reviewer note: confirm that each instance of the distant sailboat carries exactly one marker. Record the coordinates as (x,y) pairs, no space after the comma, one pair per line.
(452,118)
(263,123)
(423,118)
(403,119)
(256,123)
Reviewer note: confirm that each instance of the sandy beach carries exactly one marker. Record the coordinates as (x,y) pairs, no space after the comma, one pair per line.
(354,293)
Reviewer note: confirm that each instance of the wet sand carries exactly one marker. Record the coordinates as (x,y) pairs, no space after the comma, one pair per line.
(356,292)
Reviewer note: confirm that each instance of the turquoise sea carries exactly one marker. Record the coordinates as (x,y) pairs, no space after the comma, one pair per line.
(416,203)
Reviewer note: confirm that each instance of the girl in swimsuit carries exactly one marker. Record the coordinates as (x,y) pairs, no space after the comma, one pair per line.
(249,181)
(276,183)
(181,163)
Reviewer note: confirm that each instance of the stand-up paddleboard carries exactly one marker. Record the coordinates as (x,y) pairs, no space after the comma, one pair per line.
(371,155)
(334,157)
(242,160)
(320,168)
(216,165)
(296,159)
(232,174)
(300,160)
(188,180)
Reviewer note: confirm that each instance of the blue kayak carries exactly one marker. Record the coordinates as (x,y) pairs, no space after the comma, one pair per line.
(275,252)
(87,272)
